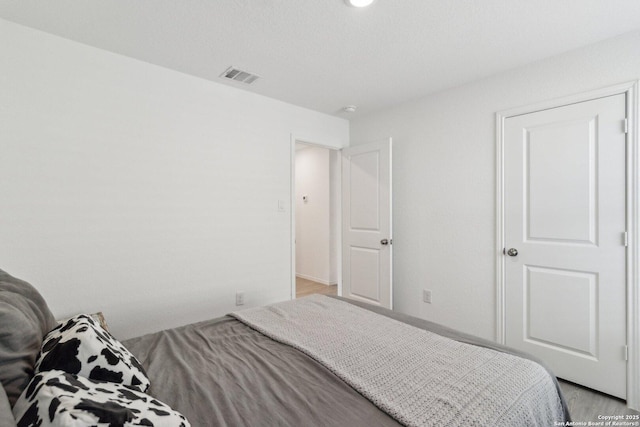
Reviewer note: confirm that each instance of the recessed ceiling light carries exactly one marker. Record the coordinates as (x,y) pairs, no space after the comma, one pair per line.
(358,3)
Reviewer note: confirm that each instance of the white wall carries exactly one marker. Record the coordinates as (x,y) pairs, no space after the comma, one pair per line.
(315,218)
(444,177)
(139,191)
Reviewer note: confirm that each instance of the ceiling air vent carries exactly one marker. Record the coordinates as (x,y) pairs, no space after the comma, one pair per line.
(239,75)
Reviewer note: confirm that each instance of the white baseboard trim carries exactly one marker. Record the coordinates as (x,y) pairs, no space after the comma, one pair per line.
(316,279)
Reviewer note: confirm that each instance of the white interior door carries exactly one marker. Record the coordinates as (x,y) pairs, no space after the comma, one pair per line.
(564,207)
(366,222)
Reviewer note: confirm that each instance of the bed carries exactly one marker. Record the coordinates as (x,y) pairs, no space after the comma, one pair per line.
(325,361)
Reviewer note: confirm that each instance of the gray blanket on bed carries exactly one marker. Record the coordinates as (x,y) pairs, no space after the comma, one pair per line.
(418,377)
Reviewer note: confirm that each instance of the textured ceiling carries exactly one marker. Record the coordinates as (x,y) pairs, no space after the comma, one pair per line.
(323,55)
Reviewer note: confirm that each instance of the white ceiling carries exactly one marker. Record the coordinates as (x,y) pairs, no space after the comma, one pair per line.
(323,55)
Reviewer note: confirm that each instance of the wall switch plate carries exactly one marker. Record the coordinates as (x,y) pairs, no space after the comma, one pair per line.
(426,295)
(280,205)
(239,298)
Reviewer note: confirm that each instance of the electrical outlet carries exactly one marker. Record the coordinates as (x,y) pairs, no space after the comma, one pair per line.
(239,298)
(426,296)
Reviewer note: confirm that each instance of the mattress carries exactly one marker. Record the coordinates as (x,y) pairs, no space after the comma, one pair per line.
(223,372)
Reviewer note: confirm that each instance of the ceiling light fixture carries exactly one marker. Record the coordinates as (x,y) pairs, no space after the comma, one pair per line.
(358,3)
(349,109)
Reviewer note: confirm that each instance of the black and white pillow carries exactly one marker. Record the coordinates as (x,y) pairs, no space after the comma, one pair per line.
(80,346)
(57,398)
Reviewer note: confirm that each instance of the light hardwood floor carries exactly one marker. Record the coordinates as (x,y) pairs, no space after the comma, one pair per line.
(306,287)
(584,404)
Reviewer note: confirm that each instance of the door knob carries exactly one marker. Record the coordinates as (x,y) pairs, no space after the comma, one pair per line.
(512,252)
(384,242)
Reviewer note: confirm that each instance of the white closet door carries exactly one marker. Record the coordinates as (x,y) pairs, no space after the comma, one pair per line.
(565,218)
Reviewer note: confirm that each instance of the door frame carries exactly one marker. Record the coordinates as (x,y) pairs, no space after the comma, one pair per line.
(292,202)
(630,89)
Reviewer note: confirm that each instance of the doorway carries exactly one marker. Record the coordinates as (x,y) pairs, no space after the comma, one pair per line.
(316,211)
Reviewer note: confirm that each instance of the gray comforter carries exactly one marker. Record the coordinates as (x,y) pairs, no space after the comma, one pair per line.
(224,373)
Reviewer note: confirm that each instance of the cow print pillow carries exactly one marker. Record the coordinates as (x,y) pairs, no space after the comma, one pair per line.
(80,346)
(57,398)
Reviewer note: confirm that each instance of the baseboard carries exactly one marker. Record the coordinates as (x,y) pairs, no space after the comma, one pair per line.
(315,279)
